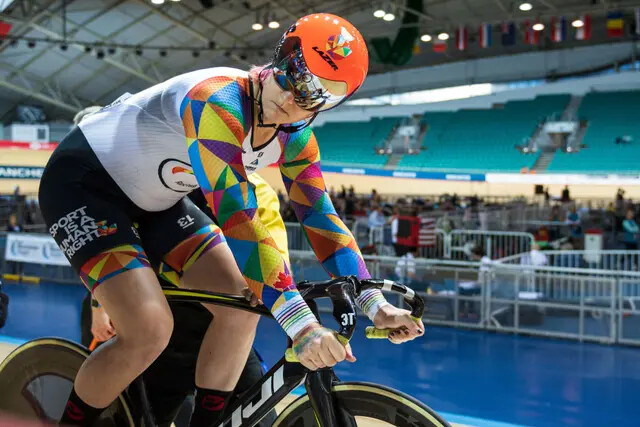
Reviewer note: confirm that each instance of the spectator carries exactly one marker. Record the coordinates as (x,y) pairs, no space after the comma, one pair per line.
(631,231)
(406,266)
(535,257)
(376,217)
(547,197)
(13,225)
(394,230)
(565,198)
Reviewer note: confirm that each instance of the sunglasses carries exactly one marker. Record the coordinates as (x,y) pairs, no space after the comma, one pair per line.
(292,75)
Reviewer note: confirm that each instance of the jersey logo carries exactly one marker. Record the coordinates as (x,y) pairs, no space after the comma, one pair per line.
(177,176)
(255,162)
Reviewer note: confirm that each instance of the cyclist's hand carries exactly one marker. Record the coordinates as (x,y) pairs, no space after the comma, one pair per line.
(390,317)
(317,347)
(251,297)
(101,326)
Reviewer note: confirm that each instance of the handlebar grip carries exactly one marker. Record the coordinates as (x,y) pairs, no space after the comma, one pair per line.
(372,333)
(290,356)
(377,334)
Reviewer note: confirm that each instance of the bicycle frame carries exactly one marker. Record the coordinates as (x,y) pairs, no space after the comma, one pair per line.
(285,376)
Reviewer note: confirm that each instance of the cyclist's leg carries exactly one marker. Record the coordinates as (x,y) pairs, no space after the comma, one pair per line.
(195,248)
(91,223)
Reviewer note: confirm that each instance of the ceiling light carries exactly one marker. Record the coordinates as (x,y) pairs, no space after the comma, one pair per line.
(100,54)
(157,1)
(87,49)
(163,53)
(64,46)
(139,51)
(389,17)
(443,36)
(525,7)
(31,44)
(257,26)
(274,24)
(379,13)
(425,38)
(111,50)
(578,23)
(538,26)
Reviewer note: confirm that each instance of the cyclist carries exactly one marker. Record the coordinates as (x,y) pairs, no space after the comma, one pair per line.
(128,163)
(170,378)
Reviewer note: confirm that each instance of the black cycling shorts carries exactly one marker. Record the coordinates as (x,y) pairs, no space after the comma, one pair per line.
(87,213)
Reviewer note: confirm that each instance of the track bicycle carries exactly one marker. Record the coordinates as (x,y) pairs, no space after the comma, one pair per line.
(37,377)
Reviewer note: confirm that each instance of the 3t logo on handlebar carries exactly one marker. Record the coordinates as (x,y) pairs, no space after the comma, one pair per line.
(347,319)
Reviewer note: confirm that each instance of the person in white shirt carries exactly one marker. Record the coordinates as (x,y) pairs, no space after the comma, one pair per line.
(406,267)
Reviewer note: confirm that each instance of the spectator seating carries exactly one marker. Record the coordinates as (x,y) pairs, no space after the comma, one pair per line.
(483,140)
(354,142)
(610,115)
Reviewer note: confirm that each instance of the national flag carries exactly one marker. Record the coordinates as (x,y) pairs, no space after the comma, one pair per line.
(508,34)
(637,32)
(427,234)
(439,46)
(558,29)
(462,38)
(484,35)
(615,24)
(5,27)
(584,32)
(531,36)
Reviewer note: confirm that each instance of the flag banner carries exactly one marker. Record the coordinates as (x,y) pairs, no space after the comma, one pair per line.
(484,35)
(508,34)
(5,27)
(531,36)
(439,46)
(558,29)
(462,38)
(584,32)
(615,24)
(427,234)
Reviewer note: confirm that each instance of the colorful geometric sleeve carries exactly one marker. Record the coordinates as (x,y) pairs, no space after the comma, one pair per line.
(331,240)
(216,115)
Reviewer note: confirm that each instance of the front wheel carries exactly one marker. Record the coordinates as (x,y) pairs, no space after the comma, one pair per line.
(364,404)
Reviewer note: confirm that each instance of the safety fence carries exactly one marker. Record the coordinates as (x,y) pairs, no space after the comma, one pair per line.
(575,303)
(572,303)
(614,260)
(456,244)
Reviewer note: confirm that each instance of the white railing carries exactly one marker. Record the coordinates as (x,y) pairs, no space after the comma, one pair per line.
(610,260)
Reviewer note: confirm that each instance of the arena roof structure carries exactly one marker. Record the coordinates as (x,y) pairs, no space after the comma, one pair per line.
(66,54)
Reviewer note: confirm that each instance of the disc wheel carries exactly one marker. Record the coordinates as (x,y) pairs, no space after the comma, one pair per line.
(37,378)
(364,404)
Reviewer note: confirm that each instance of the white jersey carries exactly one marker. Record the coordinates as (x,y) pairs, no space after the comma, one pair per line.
(140,141)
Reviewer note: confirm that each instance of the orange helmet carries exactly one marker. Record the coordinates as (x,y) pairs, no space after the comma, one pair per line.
(322,59)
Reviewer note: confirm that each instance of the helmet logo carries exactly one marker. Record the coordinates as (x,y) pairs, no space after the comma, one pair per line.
(338,45)
(326,57)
